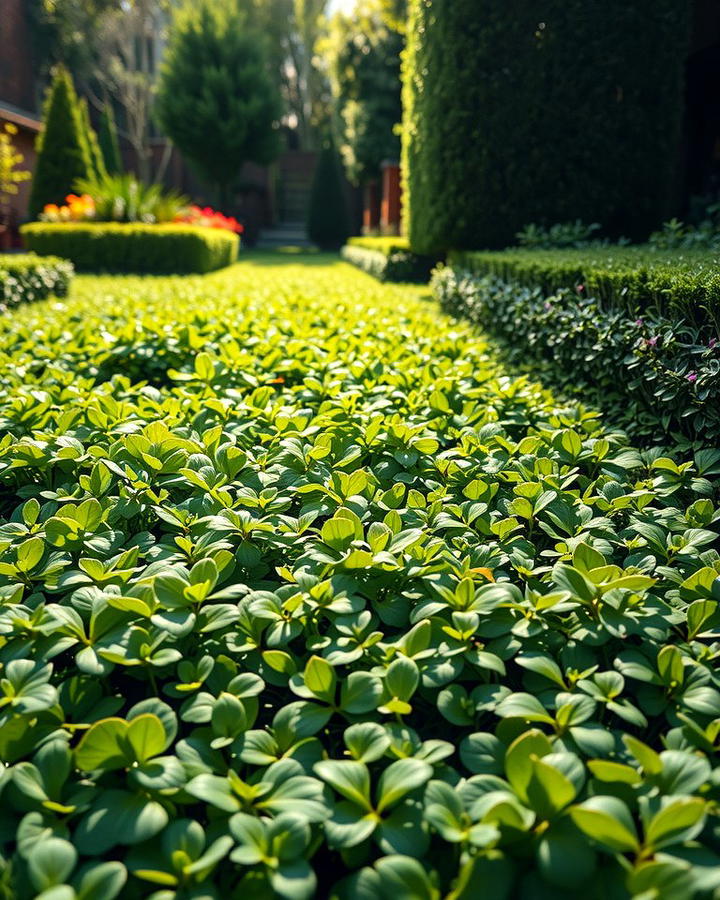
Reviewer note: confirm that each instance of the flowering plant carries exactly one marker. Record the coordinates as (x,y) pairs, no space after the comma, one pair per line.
(76,209)
(209,218)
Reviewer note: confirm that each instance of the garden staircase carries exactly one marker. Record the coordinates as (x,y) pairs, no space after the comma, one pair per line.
(293,184)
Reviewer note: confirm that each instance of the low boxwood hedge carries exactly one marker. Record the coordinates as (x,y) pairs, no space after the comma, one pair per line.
(26,277)
(302,594)
(626,278)
(134,247)
(388,259)
(657,374)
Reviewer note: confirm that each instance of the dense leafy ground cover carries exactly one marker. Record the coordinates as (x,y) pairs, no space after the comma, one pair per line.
(303,595)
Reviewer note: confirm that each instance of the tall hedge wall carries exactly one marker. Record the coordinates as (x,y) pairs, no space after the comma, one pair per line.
(519,112)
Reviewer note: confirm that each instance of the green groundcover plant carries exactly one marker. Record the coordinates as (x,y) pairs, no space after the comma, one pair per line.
(302,594)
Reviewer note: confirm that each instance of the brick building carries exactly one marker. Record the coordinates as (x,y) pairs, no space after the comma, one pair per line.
(18,102)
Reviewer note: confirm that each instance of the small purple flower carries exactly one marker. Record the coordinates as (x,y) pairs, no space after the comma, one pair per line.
(580,288)
(692,376)
(548,304)
(653,341)
(711,343)
(638,322)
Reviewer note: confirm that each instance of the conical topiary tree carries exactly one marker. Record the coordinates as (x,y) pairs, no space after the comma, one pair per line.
(108,139)
(328,221)
(96,158)
(63,153)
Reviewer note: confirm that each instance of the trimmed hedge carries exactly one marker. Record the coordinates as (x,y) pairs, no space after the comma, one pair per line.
(134,247)
(26,277)
(388,259)
(386,244)
(626,278)
(656,375)
(515,114)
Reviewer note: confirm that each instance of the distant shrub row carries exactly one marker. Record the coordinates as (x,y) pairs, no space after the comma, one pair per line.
(657,374)
(135,247)
(624,278)
(25,277)
(388,259)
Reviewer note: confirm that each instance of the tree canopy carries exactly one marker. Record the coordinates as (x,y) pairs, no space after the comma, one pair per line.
(216,99)
(363,57)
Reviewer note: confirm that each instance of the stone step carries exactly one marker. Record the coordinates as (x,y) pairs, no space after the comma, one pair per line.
(287,234)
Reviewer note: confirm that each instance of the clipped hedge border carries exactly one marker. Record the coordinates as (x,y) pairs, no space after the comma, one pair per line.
(135,247)
(388,259)
(659,376)
(26,277)
(625,278)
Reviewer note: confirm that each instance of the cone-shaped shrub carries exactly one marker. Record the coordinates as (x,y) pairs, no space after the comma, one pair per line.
(63,153)
(96,158)
(108,140)
(328,221)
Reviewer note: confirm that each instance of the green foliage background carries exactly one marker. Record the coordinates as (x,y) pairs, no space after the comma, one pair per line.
(516,113)
(364,51)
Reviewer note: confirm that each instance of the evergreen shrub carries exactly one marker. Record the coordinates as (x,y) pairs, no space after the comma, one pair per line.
(328,220)
(62,147)
(26,277)
(518,113)
(388,259)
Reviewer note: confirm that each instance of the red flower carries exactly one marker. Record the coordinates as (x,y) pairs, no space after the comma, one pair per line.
(210,218)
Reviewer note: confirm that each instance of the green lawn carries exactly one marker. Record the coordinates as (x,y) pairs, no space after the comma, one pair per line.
(302,594)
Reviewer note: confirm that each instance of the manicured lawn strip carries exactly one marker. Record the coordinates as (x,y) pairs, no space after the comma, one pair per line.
(25,277)
(630,279)
(303,594)
(134,247)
